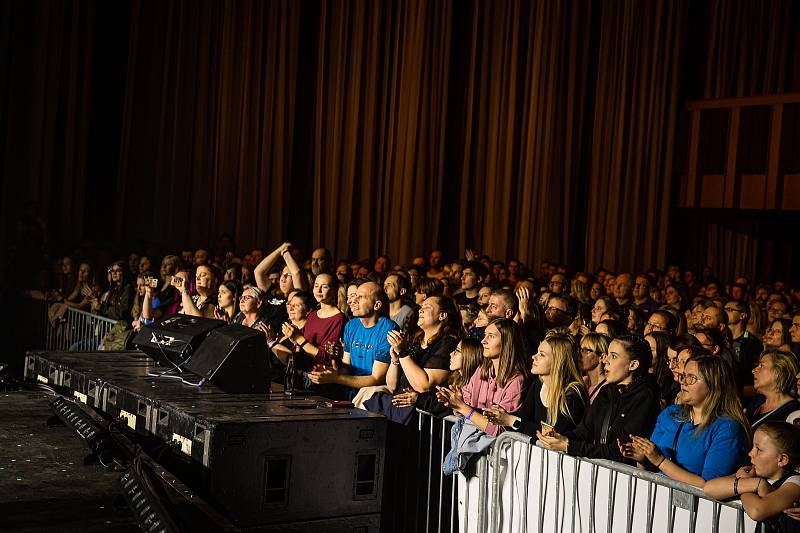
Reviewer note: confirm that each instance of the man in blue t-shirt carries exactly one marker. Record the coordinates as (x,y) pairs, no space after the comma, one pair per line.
(366,349)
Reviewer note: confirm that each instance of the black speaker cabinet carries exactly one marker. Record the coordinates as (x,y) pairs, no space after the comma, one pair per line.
(234,358)
(172,340)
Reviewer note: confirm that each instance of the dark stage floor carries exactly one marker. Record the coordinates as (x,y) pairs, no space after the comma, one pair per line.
(44,485)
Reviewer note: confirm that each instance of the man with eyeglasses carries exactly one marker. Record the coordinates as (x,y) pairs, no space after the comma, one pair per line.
(660,321)
(746,348)
(560,312)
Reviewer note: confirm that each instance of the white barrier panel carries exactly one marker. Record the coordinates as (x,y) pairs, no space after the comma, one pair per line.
(540,491)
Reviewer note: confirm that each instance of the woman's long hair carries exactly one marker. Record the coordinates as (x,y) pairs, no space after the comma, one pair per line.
(565,376)
(660,365)
(471,359)
(722,399)
(513,360)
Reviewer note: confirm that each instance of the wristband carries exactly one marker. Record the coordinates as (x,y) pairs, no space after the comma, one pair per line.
(471,412)
(736,486)
(663,458)
(396,363)
(305,341)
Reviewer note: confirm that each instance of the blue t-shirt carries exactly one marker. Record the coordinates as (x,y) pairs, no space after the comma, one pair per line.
(717,451)
(367,345)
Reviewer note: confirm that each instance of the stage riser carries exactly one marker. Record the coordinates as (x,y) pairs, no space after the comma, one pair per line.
(262,459)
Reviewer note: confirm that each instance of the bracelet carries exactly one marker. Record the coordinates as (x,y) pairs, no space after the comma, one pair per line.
(663,458)
(471,412)
(396,363)
(736,486)
(305,341)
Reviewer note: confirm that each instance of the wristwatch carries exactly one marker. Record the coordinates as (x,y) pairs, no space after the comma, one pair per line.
(516,424)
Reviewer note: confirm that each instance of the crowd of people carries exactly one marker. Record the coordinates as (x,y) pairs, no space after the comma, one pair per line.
(672,371)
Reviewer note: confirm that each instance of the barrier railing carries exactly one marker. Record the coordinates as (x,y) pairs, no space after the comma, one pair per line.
(417,496)
(73,329)
(528,488)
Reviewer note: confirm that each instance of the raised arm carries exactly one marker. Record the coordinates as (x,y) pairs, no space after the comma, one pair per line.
(261,272)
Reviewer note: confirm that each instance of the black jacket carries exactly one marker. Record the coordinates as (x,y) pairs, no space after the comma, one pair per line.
(631,412)
(533,412)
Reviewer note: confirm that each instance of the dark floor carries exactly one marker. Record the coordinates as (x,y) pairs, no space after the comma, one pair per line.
(44,485)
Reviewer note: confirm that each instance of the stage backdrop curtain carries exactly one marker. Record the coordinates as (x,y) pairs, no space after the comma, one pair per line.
(633,137)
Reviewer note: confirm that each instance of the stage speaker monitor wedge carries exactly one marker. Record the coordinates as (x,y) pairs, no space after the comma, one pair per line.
(172,340)
(235,359)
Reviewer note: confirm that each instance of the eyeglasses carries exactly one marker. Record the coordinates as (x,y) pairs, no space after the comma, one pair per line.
(689,379)
(245,297)
(554,310)
(655,326)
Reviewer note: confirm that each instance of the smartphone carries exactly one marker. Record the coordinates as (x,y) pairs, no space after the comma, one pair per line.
(338,403)
(177,281)
(151,282)
(547,428)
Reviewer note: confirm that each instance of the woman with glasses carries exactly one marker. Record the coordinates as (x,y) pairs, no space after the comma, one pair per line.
(706,436)
(774,380)
(594,348)
(627,404)
(557,397)
(117,301)
(249,315)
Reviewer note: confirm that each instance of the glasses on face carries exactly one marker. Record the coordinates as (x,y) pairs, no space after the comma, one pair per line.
(689,379)
(657,327)
(246,297)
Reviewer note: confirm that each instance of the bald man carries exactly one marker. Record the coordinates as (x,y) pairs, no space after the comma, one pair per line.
(366,349)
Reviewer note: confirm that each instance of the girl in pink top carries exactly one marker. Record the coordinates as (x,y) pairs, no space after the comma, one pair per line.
(500,380)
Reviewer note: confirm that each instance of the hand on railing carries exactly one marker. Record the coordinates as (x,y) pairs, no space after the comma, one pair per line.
(641,448)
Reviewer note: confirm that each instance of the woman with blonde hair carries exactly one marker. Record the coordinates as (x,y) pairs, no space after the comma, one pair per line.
(704,437)
(500,380)
(775,384)
(557,398)
(594,347)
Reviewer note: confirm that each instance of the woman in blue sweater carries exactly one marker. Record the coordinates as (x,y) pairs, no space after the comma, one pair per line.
(704,437)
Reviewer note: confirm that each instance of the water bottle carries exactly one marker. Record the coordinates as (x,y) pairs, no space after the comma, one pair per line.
(288,380)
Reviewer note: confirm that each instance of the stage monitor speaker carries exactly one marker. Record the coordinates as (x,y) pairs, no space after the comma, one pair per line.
(234,358)
(173,339)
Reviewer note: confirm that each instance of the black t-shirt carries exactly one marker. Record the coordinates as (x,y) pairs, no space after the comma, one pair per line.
(533,412)
(462,299)
(435,357)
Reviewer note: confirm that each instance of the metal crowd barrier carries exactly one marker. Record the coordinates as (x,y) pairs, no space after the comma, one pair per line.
(417,496)
(528,488)
(76,331)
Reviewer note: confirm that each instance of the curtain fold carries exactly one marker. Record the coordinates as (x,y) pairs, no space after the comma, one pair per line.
(544,129)
(636,103)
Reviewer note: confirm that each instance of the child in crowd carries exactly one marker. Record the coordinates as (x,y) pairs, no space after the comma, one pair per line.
(769,486)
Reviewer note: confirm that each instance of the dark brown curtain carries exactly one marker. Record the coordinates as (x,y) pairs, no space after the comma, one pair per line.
(636,105)
(208,121)
(540,129)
